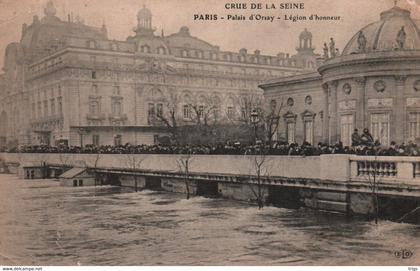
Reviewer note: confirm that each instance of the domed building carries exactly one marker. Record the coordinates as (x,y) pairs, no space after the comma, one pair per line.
(374,83)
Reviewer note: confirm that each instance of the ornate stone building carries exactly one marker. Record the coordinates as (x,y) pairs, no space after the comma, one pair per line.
(374,84)
(66,81)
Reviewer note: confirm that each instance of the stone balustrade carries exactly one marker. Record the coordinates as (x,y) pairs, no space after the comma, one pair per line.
(334,167)
(385,168)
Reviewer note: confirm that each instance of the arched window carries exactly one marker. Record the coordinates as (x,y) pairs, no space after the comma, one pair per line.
(114,46)
(161,50)
(199,54)
(145,48)
(91,44)
(184,53)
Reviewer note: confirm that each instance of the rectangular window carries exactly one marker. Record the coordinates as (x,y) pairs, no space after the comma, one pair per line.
(151,112)
(347,126)
(94,108)
(33,111)
(243,113)
(116,108)
(118,140)
(60,105)
(45,108)
(95,140)
(414,125)
(93,74)
(309,131)
(230,112)
(39,114)
(187,112)
(379,125)
(116,90)
(52,106)
(216,113)
(159,110)
(291,132)
(201,111)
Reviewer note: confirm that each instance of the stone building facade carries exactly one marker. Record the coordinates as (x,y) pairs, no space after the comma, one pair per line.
(374,83)
(68,82)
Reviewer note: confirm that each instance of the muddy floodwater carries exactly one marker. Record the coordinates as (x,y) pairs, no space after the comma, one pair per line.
(42,223)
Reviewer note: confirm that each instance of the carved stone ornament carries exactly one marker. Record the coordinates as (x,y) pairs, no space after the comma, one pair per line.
(379,86)
(290,102)
(347,88)
(416,85)
(308,100)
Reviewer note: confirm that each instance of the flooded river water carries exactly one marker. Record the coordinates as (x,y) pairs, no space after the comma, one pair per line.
(42,223)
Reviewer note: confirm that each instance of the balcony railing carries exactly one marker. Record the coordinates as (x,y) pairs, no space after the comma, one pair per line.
(96,116)
(385,168)
(381,169)
(416,169)
(119,117)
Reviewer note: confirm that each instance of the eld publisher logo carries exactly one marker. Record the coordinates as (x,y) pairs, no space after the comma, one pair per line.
(403,254)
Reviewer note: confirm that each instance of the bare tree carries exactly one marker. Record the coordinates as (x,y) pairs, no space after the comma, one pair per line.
(168,116)
(261,167)
(203,111)
(271,118)
(134,162)
(372,177)
(269,114)
(247,103)
(184,164)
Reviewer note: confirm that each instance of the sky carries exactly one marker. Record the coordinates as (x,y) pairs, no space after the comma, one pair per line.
(169,15)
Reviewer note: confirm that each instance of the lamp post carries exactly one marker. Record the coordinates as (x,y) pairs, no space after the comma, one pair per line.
(255,119)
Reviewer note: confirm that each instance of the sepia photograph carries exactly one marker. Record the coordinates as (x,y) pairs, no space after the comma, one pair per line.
(223,133)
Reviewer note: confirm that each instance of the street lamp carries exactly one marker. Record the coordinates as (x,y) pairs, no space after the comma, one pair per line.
(255,118)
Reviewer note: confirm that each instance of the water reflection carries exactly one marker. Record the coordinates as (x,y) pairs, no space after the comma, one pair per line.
(45,224)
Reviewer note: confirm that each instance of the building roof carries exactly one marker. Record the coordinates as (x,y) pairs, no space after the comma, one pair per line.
(382,35)
(293,79)
(31,165)
(71,173)
(184,39)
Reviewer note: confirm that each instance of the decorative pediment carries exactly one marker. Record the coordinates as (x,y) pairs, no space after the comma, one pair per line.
(347,105)
(413,102)
(384,102)
(290,116)
(308,115)
(156,66)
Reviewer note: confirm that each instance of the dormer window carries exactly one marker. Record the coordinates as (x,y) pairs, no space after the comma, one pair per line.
(145,49)
(199,54)
(227,57)
(184,53)
(114,47)
(161,50)
(91,44)
(213,56)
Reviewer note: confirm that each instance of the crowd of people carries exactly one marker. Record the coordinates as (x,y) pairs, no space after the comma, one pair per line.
(361,145)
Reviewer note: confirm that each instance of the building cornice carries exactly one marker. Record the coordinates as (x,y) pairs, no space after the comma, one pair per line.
(289,80)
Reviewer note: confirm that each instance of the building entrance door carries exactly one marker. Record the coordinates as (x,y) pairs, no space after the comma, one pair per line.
(347,126)
(379,126)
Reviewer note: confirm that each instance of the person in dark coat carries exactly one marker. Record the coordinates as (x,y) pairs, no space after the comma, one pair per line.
(367,138)
(356,140)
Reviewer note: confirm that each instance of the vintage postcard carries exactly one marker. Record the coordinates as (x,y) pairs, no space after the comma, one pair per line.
(209,133)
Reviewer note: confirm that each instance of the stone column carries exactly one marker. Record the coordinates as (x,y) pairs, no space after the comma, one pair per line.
(361,113)
(397,122)
(332,94)
(325,115)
